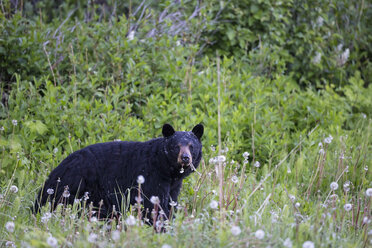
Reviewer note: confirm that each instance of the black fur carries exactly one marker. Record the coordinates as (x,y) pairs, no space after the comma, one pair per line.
(108,171)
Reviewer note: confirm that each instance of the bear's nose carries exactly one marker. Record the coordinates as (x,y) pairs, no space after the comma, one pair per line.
(185,158)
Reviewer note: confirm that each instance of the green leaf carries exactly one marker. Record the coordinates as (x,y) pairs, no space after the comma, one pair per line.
(36,127)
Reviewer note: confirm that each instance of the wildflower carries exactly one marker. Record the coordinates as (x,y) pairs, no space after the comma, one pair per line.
(13,189)
(86,196)
(55,150)
(287,243)
(45,218)
(334,186)
(260,234)
(348,207)
(92,238)
(166,246)
(115,235)
(316,60)
(2,128)
(308,244)
(9,226)
(213,204)
(131,220)
(140,179)
(131,35)
(297,204)
(369,192)
(50,191)
(235,230)
(221,158)
(14,122)
(234,179)
(154,200)
(246,155)
(347,186)
(366,168)
(52,241)
(328,140)
(257,164)
(173,203)
(213,161)
(66,193)
(292,197)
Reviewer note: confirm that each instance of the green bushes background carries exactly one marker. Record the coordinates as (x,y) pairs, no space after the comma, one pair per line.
(74,73)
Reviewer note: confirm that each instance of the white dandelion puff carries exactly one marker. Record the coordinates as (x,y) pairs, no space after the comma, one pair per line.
(308,244)
(92,238)
(334,185)
(213,204)
(52,241)
(246,155)
(140,179)
(369,192)
(66,193)
(287,243)
(235,230)
(9,226)
(257,164)
(154,200)
(115,235)
(13,189)
(259,234)
(348,207)
(328,140)
(55,150)
(14,122)
(234,179)
(50,191)
(131,220)
(173,203)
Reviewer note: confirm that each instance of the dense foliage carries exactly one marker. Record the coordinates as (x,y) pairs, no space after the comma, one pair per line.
(292,83)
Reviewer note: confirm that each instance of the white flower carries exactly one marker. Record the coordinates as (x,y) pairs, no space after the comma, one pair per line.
(334,185)
(369,192)
(131,220)
(213,204)
(86,196)
(166,246)
(14,122)
(348,207)
(13,189)
(52,241)
(234,179)
(140,179)
(92,238)
(328,140)
(55,150)
(297,204)
(50,191)
(221,158)
(317,58)
(154,200)
(257,164)
(173,203)
(347,186)
(260,234)
(246,155)
(45,218)
(308,244)
(235,230)
(115,235)
(66,193)
(287,243)
(9,226)
(131,35)
(292,197)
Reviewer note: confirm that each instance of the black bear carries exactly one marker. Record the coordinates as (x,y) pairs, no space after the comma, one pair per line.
(104,173)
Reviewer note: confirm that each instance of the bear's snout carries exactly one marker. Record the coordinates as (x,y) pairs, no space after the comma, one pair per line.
(184,157)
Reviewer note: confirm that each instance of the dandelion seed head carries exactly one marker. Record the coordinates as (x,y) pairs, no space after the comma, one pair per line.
(14,122)
(259,234)
(140,179)
(235,230)
(13,189)
(292,197)
(66,193)
(86,196)
(328,140)
(308,244)
(131,220)
(55,150)
(348,207)
(213,204)
(346,186)
(50,191)
(234,179)
(257,164)
(369,192)
(297,204)
(52,241)
(173,203)
(334,186)
(9,226)
(154,200)
(10,244)
(287,243)
(92,238)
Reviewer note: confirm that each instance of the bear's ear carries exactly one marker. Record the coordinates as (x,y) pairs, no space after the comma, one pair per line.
(198,130)
(168,130)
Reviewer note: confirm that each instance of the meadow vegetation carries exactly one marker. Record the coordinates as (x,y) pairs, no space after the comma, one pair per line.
(283,90)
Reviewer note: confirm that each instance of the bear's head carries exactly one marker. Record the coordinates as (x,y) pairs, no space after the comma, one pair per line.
(183,149)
